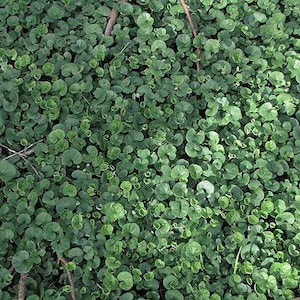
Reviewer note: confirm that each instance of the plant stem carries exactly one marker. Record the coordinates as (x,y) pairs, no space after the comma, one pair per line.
(194,30)
(237,260)
(21,286)
(71,282)
(112,20)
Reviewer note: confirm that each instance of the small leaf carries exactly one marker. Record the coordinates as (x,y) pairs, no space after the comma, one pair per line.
(207,186)
(22,262)
(125,280)
(231,171)
(144,20)
(56,12)
(192,250)
(56,135)
(77,221)
(69,190)
(71,156)
(268,112)
(132,229)
(170,282)
(7,170)
(285,217)
(114,211)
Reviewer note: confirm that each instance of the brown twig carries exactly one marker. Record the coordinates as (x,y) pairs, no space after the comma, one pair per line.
(71,282)
(23,154)
(194,30)
(21,286)
(112,20)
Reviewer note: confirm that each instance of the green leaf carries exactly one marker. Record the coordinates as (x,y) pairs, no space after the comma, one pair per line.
(22,262)
(207,186)
(166,152)
(126,186)
(276,78)
(48,68)
(231,171)
(56,135)
(99,52)
(233,216)
(196,171)
(43,218)
(71,156)
(77,221)
(180,189)
(268,112)
(144,20)
(267,206)
(285,217)
(183,41)
(194,137)
(162,227)
(206,3)
(60,86)
(126,9)
(192,150)
(170,282)
(110,281)
(69,190)
(125,280)
(116,125)
(192,250)
(235,112)
(114,211)
(158,45)
(7,170)
(223,201)
(132,229)
(212,45)
(180,173)
(163,191)
(56,12)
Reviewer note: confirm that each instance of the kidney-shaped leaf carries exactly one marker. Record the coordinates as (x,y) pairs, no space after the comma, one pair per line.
(22,262)
(71,156)
(7,170)
(125,280)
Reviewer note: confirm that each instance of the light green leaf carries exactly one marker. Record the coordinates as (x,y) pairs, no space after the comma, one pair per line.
(125,280)
(144,20)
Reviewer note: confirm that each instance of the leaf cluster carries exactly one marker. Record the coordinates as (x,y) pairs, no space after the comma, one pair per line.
(158,180)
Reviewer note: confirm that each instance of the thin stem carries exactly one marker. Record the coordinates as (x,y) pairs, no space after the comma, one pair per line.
(194,30)
(189,17)
(24,153)
(21,286)
(71,282)
(237,261)
(122,50)
(112,20)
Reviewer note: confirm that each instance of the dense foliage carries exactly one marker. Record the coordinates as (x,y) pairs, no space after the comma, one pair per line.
(152,179)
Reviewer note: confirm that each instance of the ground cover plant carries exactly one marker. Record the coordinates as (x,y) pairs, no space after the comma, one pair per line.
(149,161)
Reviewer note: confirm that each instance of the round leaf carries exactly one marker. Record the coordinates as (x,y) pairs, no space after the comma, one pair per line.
(7,170)
(22,262)
(125,280)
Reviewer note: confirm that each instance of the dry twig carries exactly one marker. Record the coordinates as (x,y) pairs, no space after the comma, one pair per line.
(24,153)
(21,286)
(194,30)
(112,20)
(71,282)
